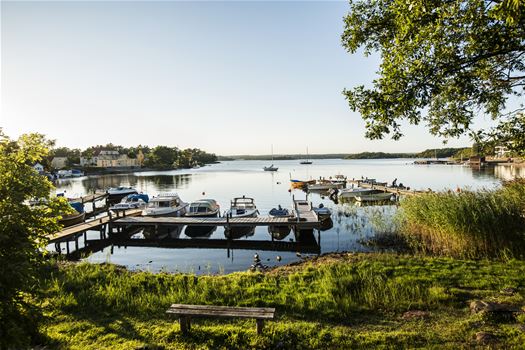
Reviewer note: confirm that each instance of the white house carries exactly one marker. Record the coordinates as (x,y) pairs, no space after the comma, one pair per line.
(501,152)
(39,167)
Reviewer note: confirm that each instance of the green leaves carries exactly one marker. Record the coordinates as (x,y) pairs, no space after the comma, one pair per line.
(443,62)
(22,230)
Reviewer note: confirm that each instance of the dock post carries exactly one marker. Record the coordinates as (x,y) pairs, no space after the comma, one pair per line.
(67,247)
(76,242)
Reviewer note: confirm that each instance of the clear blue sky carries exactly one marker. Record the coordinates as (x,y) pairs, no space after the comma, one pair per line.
(227,77)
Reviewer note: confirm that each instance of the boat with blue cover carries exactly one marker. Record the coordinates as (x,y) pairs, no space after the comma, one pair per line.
(132,201)
(74,218)
(279,232)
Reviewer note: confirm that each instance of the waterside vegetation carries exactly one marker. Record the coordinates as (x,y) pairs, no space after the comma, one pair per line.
(468,224)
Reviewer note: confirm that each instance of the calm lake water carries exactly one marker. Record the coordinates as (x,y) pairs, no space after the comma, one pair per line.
(351,224)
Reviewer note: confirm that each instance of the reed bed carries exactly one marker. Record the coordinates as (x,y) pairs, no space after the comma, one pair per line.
(469,224)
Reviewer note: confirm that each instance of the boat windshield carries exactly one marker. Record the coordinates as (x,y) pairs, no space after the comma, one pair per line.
(245,203)
(198,208)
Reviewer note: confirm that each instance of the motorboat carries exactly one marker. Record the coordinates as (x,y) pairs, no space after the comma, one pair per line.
(322,212)
(166,204)
(132,201)
(301,183)
(203,208)
(374,197)
(241,207)
(75,218)
(354,192)
(115,194)
(324,185)
(279,232)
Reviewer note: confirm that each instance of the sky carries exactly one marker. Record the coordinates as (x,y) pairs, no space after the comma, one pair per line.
(227,77)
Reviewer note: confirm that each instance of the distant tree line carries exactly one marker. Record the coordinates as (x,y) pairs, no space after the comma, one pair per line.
(159,157)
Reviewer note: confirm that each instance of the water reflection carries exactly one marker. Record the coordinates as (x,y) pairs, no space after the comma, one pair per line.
(190,248)
(509,172)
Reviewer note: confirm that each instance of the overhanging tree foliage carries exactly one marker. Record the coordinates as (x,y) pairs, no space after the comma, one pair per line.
(22,233)
(443,61)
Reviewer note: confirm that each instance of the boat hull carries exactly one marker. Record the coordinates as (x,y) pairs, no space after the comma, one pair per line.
(72,219)
(376,197)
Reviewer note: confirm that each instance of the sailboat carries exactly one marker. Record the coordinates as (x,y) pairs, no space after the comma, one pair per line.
(306,161)
(271,167)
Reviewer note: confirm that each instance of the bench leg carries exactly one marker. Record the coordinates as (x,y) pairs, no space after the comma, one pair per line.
(184,324)
(260,325)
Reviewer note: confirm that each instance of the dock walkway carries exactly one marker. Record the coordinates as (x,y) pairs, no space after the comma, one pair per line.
(71,231)
(94,197)
(395,190)
(217,221)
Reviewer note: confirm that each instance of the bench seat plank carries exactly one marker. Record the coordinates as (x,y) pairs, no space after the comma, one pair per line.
(221,311)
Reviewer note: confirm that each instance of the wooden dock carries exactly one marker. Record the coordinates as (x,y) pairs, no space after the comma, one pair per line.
(94,197)
(304,218)
(303,222)
(72,231)
(394,190)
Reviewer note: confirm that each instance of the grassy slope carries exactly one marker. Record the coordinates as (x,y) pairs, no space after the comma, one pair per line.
(350,301)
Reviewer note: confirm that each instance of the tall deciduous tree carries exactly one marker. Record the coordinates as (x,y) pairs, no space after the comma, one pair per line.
(22,232)
(442,61)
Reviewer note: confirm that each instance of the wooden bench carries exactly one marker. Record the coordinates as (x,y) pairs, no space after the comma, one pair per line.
(186,312)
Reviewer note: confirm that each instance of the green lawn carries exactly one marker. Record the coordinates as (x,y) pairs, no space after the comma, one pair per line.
(338,301)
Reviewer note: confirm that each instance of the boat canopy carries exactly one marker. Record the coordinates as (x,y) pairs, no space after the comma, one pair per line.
(243,202)
(137,197)
(78,206)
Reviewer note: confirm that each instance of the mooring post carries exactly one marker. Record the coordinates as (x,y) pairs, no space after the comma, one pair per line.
(67,247)
(76,242)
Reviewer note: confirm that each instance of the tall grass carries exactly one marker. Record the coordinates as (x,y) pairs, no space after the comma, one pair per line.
(352,302)
(470,224)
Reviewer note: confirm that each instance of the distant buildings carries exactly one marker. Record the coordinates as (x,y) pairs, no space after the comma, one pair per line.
(501,152)
(109,159)
(59,162)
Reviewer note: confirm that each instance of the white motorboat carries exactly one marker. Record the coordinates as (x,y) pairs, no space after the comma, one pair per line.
(374,197)
(203,208)
(166,204)
(132,201)
(323,185)
(242,207)
(354,192)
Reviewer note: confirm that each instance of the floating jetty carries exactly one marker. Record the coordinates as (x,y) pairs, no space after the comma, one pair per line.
(303,218)
(116,229)
(395,190)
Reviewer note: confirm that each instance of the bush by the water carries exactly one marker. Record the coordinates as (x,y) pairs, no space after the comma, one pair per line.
(473,224)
